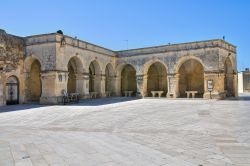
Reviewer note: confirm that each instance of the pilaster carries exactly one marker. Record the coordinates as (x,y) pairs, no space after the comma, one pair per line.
(218,85)
(139,84)
(53,82)
(173,85)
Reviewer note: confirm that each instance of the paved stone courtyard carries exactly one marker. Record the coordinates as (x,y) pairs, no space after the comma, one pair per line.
(143,132)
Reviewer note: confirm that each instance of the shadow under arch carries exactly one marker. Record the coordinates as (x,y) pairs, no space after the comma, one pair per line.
(229,78)
(128,79)
(33,83)
(191,77)
(95,77)
(148,64)
(109,79)
(74,67)
(186,58)
(156,78)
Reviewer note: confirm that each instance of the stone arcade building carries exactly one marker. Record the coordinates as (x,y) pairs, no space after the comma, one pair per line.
(37,69)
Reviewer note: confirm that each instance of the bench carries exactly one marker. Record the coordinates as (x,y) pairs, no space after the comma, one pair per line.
(191,92)
(93,95)
(154,93)
(108,94)
(74,97)
(128,93)
(69,97)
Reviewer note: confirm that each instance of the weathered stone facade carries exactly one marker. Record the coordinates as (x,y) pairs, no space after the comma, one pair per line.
(44,65)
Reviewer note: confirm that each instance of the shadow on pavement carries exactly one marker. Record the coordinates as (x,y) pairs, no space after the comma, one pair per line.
(86,102)
(20,107)
(104,101)
(242,96)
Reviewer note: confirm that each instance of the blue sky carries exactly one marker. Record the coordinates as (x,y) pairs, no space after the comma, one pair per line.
(109,23)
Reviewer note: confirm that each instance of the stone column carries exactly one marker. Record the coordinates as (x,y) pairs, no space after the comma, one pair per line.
(102,79)
(139,84)
(218,85)
(79,84)
(110,83)
(85,85)
(53,82)
(145,85)
(117,85)
(173,85)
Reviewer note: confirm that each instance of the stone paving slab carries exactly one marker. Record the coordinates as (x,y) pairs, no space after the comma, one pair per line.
(128,132)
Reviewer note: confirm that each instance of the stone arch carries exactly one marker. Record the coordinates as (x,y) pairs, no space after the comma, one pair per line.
(156,78)
(191,77)
(101,65)
(34,83)
(109,78)
(148,64)
(121,66)
(74,67)
(29,61)
(12,90)
(128,79)
(229,78)
(186,58)
(95,77)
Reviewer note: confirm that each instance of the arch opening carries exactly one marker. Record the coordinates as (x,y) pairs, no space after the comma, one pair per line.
(94,77)
(35,84)
(109,81)
(74,67)
(229,78)
(128,79)
(157,78)
(71,85)
(191,78)
(12,90)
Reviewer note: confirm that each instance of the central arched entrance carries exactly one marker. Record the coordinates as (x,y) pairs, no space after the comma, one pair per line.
(12,90)
(157,78)
(229,78)
(128,79)
(191,78)
(35,85)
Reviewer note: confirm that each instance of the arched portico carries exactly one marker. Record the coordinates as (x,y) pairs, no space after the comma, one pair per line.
(95,77)
(191,77)
(34,84)
(229,78)
(157,78)
(128,79)
(109,78)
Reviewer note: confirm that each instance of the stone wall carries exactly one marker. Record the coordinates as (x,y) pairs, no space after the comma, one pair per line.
(54,52)
(11,63)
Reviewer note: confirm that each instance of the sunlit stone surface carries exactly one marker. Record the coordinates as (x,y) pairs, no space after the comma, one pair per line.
(119,131)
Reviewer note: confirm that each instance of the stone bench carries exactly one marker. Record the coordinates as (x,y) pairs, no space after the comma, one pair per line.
(93,95)
(191,92)
(154,93)
(69,97)
(128,93)
(74,97)
(108,94)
